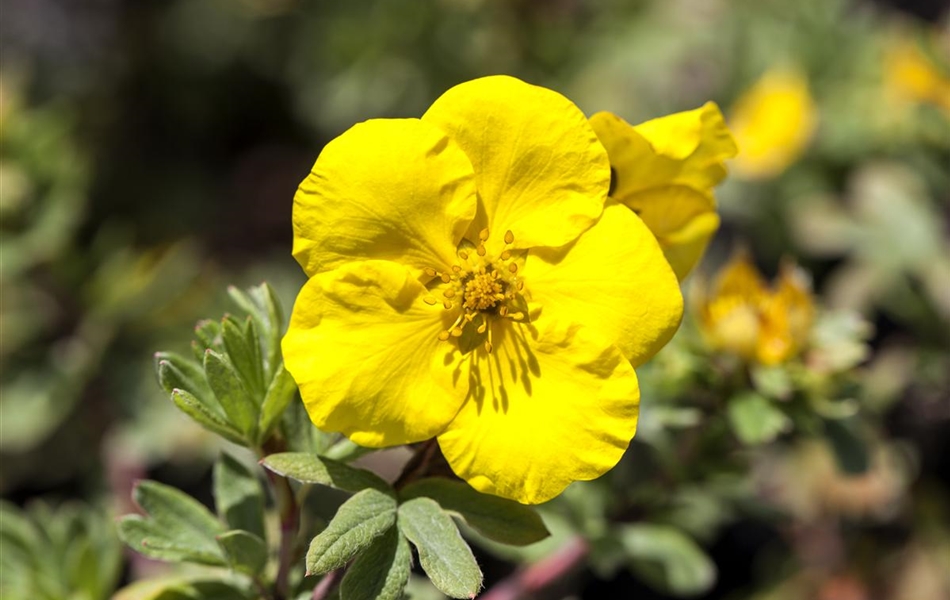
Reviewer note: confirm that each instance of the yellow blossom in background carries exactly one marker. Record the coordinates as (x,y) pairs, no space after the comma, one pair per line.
(741,314)
(468,282)
(665,170)
(773,122)
(912,76)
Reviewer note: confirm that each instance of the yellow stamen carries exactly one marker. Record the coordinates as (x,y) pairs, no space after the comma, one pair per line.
(483,234)
(509,237)
(429,300)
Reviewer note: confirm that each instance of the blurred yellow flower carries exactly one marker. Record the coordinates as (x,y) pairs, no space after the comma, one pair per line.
(665,170)
(467,282)
(741,314)
(773,122)
(911,76)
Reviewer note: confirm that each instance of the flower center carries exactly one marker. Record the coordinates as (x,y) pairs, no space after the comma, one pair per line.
(486,288)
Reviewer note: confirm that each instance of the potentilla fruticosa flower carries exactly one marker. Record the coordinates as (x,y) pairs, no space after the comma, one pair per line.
(665,170)
(773,121)
(741,314)
(469,281)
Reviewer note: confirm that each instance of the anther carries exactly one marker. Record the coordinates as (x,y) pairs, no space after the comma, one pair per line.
(445,277)
(481,249)
(456,269)
(481,328)
(520,285)
(483,234)
(517,316)
(513,267)
(449,293)
(505,255)
(444,336)
(509,237)
(447,305)
(431,272)
(457,332)
(488,347)
(463,254)
(429,300)
(503,311)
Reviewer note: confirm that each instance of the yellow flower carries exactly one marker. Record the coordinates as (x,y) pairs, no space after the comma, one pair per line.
(468,283)
(911,76)
(665,170)
(773,122)
(742,315)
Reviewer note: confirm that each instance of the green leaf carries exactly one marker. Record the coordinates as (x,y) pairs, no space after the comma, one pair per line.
(231,393)
(496,518)
(381,572)
(177,372)
(244,351)
(444,555)
(359,521)
(238,496)
(208,333)
(194,408)
(755,419)
(667,559)
(262,305)
(851,452)
(246,552)
(310,468)
(178,527)
(280,393)
(185,588)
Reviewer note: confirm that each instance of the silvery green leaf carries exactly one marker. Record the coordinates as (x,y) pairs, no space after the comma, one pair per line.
(244,351)
(232,394)
(310,468)
(755,419)
(280,393)
(245,552)
(667,559)
(238,496)
(381,572)
(444,555)
(496,518)
(204,416)
(358,522)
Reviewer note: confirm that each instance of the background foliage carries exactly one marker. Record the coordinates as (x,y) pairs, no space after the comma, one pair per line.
(149,152)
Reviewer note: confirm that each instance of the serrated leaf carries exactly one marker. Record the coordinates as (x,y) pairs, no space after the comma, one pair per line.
(310,468)
(178,527)
(194,408)
(231,393)
(244,351)
(280,393)
(245,552)
(755,419)
(496,518)
(359,521)
(444,555)
(667,559)
(381,572)
(238,496)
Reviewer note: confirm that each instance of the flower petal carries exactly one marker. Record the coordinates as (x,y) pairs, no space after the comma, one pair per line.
(545,410)
(364,349)
(387,189)
(683,220)
(614,280)
(686,148)
(539,168)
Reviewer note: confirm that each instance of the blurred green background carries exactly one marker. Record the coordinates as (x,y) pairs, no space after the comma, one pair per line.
(149,154)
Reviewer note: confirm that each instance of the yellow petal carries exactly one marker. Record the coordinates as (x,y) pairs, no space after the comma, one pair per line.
(687,148)
(363,347)
(546,410)
(539,169)
(613,280)
(387,189)
(683,220)
(773,122)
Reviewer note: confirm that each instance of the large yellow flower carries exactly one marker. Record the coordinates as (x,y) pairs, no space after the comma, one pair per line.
(665,170)
(468,283)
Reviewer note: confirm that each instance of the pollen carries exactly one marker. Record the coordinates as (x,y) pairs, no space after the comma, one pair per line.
(485,287)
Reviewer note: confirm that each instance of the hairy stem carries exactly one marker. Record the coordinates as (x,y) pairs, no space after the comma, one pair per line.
(327,584)
(530,580)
